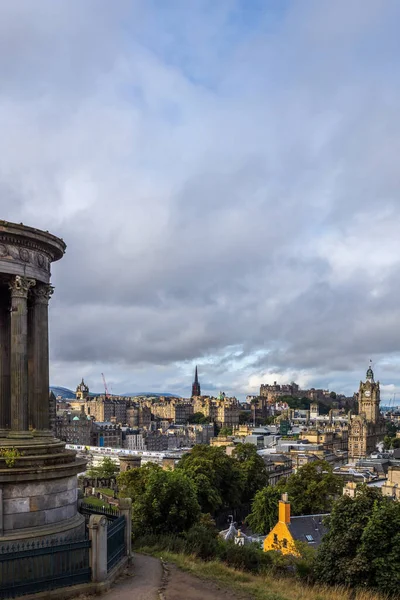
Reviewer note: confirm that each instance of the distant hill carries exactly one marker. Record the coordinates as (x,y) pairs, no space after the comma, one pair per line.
(63,392)
(70,395)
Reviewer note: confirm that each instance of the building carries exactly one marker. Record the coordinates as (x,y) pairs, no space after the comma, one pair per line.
(196,390)
(223,411)
(82,391)
(74,427)
(104,409)
(368,427)
(283,537)
(391,487)
(138,416)
(107,435)
(275,391)
(279,466)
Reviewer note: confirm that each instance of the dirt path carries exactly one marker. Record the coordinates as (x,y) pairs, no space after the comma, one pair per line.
(146,578)
(141,582)
(183,586)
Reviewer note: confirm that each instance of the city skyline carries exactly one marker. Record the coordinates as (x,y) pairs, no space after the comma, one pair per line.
(225,179)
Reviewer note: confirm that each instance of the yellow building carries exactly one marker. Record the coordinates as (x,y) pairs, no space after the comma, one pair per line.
(289,530)
(391,487)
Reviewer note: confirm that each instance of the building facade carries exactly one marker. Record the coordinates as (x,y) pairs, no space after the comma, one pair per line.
(367,428)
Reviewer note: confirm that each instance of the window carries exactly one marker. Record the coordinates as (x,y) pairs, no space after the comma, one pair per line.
(309,538)
(284,542)
(275,538)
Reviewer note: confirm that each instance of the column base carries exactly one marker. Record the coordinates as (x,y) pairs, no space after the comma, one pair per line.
(19,435)
(43,433)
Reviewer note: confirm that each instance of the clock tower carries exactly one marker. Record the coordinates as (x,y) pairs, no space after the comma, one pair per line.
(368,427)
(369,398)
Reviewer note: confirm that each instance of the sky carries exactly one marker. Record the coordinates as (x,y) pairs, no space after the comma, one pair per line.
(226,177)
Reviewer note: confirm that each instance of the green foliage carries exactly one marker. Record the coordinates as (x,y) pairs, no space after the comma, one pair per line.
(264,510)
(198,419)
(357,542)
(225,431)
(245,417)
(391,429)
(162,501)
(108,468)
(9,455)
(217,476)
(253,469)
(313,488)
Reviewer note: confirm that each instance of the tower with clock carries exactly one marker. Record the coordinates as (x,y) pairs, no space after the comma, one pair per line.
(367,428)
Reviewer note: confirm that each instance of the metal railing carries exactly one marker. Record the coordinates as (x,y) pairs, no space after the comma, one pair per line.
(87,509)
(116,548)
(40,566)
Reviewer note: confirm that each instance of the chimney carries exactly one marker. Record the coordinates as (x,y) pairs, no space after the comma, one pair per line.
(284,509)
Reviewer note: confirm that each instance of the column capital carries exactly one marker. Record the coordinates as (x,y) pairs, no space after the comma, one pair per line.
(42,293)
(20,286)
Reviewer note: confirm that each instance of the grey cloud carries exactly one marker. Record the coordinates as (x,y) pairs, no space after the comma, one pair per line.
(211,188)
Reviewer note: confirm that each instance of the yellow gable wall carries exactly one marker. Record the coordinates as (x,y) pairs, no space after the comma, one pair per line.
(282,533)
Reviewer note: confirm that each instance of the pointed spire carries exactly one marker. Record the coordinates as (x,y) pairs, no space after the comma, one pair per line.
(196,391)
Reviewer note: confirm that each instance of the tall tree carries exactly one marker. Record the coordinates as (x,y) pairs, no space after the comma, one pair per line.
(313,488)
(264,510)
(162,501)
(253,469)
(217,476)
(339,560)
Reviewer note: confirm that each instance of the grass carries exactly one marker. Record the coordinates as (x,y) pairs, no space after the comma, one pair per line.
(107,491)
(96,501)
(258,587)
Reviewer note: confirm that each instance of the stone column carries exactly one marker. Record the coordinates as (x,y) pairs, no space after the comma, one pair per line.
(5,391)
(98,549)
(125,509)
(39,355)
(19,288)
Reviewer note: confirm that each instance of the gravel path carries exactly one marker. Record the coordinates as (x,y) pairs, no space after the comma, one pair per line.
(144,580)
(141,582)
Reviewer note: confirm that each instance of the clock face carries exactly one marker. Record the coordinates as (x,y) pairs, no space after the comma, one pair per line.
(367,394)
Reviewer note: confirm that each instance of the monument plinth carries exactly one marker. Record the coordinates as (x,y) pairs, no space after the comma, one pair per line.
(38,477)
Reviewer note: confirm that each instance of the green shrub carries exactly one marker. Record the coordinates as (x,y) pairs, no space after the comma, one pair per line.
(247,558)
(202,542)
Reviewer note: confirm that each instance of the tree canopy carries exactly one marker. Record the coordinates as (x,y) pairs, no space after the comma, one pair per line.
(108,468)
(198,419)
(253,469)
(264,510)
(162,501)
(217,476)
(362,546)
(311,490)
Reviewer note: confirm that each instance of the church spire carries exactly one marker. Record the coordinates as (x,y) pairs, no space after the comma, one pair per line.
(196,385)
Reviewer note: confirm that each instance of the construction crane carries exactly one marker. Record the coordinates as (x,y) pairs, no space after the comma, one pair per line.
(105,386)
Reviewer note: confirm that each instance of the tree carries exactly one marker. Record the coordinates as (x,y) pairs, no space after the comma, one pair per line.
(245,417)
(264,510)
(362,540)
(106,469)
(198,418)
(313,488)
(253,469)
(217,476)
(162,501)
(225,431)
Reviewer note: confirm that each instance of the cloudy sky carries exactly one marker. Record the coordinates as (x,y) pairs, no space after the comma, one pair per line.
(226,177)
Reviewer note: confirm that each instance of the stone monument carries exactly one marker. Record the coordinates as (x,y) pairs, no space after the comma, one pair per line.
(38,476)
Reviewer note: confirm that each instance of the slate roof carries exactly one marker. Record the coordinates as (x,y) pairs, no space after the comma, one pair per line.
(308,528)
